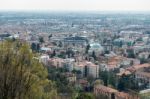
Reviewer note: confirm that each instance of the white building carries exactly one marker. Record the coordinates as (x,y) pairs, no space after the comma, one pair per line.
(97,48)
(69,63)
(44,59)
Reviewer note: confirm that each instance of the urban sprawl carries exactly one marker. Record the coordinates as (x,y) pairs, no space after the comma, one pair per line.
(107,55)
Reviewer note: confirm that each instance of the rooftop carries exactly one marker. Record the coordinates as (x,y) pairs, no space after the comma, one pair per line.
(106,89)
(75,38)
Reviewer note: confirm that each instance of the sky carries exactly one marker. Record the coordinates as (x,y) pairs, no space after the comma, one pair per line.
(76,5)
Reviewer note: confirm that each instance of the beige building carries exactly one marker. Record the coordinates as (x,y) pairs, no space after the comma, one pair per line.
(56,62)
(87,68)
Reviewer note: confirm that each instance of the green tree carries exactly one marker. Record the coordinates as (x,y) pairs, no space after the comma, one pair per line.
(108,78)
(60,44)
(101,96)
(50,36)
(62,84)
(122,84)
(41,39)
(21,75)
(87,48)
(85,96)
(53,54)
(35,47)
(94,55)
(104,76)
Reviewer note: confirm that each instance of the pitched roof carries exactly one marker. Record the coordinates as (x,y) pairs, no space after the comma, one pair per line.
(106,89)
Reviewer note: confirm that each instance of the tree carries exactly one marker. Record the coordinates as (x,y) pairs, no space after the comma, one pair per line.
(53,54)
(35,47)
(60,44)
(70,53)
(41,39)
(62,84)
(85,96)
(87,48)
(122,84)
(50,36)
(108,78)
(104,76)
(93,55)
(128,82)
(90,79)
(21,75)
(98,82)
(102,96)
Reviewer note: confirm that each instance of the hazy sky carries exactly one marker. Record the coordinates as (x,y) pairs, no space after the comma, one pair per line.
(129,5)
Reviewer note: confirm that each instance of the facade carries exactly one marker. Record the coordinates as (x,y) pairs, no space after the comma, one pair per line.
(69,64)
(87,69)
(143,78)
(56,62)
(75,41)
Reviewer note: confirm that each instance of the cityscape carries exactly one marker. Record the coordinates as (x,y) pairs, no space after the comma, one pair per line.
(74,55)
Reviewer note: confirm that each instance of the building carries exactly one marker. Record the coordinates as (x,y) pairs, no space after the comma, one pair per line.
(69,64)
(139,67)
(143,77)
(4,35)
(45,49)
(75,41)
(112,93)
(145,94)
(106,91)
(141,74)
(112,63)
(97,48)
(87,69)
(56,62)
(44,59)
(127,62)
(144,55)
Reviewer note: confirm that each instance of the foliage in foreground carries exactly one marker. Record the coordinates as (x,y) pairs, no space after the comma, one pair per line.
(21,75)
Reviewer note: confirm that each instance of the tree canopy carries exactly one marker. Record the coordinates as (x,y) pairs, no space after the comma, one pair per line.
(21,74)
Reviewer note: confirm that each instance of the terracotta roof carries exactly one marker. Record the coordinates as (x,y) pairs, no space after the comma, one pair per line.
(106,89)
(134,68)
(137,67)
(114,61)
(56,59)
(85,63)
(123,95)
(82,81)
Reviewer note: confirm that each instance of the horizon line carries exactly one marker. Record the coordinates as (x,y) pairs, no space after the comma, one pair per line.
(43,10)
